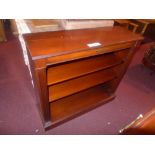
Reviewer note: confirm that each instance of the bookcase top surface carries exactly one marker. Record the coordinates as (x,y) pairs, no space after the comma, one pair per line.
(48,44)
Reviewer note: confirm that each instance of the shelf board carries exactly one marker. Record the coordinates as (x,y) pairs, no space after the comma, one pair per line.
(68,107)
(74,69)
(76,85)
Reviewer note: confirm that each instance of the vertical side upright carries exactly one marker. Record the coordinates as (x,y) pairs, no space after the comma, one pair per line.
(39,77)
(121,70)
(41,82)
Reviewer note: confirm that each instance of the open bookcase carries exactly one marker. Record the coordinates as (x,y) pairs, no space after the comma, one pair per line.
(71,78)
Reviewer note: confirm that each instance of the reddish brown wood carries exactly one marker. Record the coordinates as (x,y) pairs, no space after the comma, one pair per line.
(143,126)
(38,72)
(70,55)
(49,44)
(2,31)
(41,82)
(66,69)
(69,87)
(122,54)
(69,106)
(81,67)
(122,68)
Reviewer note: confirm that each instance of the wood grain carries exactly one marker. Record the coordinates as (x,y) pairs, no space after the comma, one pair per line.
(66,107)
(48,44)
(65,71)
(142,125)
(69,55)
(69,87)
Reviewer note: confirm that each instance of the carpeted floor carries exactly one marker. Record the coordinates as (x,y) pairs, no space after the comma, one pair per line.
(19,115)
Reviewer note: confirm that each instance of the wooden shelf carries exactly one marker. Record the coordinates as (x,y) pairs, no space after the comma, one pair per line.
(78,84)
(78,103)
(62,72)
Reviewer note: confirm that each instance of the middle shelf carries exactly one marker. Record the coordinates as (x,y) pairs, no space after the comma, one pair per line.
(75,85)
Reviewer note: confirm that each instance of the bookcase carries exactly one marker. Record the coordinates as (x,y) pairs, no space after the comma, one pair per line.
(70,77)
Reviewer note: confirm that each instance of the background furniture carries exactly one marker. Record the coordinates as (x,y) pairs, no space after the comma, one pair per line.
(143,24)
(70,24)
(149,58)
(43,25)
(2,31)
(75,71)
(146,27)
(126,23)
(143,125)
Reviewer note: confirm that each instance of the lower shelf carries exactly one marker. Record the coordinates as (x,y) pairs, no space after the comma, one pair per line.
(76,104)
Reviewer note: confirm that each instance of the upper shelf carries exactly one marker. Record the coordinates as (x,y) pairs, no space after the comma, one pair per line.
(81,67)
